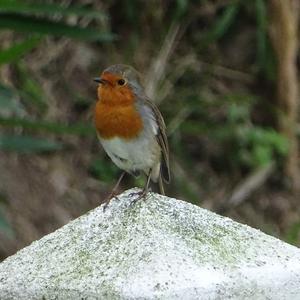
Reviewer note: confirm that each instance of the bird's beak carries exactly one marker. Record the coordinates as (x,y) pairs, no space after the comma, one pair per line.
(100,80)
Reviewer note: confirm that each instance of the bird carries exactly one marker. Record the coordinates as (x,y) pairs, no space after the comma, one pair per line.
(131,128)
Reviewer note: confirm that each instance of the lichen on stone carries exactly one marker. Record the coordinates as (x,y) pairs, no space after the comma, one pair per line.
(157,248)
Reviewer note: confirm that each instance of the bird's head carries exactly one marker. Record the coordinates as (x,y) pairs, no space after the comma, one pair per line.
(119,84)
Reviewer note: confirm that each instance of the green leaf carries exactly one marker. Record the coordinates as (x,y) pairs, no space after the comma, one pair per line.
(262,154)
(238,113)
(265,55)
(77,128)
(29,24)
(27,144)
(30,90)
(222,24)
(260,145)
(11,6)
(180,8)
(18,50)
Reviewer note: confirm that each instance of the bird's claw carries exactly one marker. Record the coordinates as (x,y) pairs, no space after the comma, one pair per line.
(141,195)
(135,193)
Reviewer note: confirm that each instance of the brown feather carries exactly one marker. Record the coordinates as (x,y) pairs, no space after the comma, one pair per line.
(162,140)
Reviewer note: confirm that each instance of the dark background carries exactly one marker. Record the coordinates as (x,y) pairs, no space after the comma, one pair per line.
(223,73)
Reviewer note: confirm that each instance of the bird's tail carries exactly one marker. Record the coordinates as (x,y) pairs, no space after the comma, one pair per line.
(161,184)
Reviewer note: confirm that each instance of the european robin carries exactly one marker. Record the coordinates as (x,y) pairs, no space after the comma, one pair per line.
(130,127)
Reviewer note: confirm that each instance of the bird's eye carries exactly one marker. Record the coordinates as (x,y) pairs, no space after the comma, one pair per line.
(121,82)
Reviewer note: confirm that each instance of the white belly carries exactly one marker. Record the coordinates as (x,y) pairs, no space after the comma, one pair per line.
(142,154)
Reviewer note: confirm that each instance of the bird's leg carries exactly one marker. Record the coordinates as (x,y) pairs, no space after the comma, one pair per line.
(141,194)
(114,190)
(146,187)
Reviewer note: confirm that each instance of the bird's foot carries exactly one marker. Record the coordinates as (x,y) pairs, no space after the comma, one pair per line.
(140,195)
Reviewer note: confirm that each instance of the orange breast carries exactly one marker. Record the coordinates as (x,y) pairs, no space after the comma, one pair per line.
(121,121)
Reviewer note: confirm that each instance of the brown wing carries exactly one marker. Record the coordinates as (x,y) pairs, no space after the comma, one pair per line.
(162,141)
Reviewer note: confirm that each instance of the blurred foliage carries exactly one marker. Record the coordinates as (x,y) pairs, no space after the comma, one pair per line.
(103,170)
(26,144)
(5,226)
(48,9)
(22,17)
(16,51)
(292,235)
(218,104)
(35,20)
